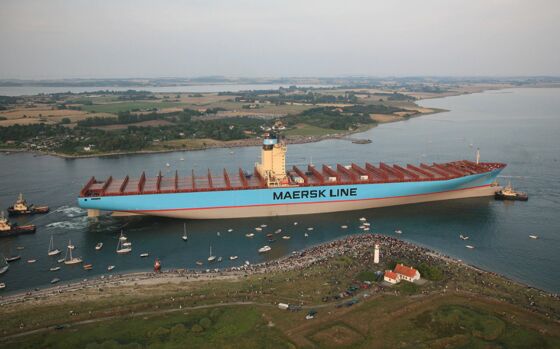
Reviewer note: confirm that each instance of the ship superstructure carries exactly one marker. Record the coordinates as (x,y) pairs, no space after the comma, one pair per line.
(272,190)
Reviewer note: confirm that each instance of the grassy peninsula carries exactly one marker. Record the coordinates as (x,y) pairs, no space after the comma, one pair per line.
(455,305)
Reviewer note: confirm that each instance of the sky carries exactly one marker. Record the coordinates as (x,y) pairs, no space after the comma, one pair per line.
(268,38)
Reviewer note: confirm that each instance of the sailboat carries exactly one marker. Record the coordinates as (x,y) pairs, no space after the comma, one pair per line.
(123,247)
(53,251)
(68,259)
(4,266)
(211,258)
(184,237)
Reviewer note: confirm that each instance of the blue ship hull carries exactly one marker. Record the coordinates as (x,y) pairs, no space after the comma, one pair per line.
(294,200)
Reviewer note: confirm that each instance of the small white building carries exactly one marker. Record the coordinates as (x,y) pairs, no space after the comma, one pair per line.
(407,273)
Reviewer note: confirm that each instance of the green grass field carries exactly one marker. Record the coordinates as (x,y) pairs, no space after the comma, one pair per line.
(127,106)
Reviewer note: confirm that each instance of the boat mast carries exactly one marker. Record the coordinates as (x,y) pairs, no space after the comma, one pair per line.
(477,155)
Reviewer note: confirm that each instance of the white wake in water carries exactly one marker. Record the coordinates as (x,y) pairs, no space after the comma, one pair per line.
(71,211)
(76,223)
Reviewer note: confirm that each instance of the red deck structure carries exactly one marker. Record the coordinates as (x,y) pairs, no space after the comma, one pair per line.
(314,176)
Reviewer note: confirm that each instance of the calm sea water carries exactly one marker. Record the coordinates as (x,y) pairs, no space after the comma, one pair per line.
(33,90)
(519,127)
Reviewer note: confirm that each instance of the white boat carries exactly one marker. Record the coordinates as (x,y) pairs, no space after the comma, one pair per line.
(218,234)
(53,251)
(344,226)
(366,229)
(230,230)
(182,159)
(463,237)
(111,267)
(2,285)
(55,280)
(367,224)
(310,228)
(68,258)
(363,219)
(144,255)
(99,246)
(127,244)
(60,260)
(4,266)
(295,223)
(19,248)
(247,263)
(362,226)
(469,246)
(219,259)
(264,249)
(534,236)
(398,231)
(278,231)
(211,258)
(286,237)
(249,235)
(264,225)
(31,261)
(167,164)
(306,235)
(199,263)
(232,258)
(121,247)
(54,269)
(258,229)
(184,237)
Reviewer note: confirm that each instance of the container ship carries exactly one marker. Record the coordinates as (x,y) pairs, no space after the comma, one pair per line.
(272,190)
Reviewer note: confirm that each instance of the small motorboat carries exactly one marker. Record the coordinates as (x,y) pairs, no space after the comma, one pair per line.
(258,229)
(295,223)
(230,230)
(463,237)
(363,219)
(310,229)
(366,229)
(249,235)
(469,246)
(31,261)
(265,249)
(263,225)
(19,248)
(531,236)
(344,226)
(2,285)
(199,263)
(88,266)
(54,269)
(13,259)
(218,234)
(144,255)
(219,259)
(286,237)
(60,260)
(398,231)
(99,246)
(367,224)
(111,267)
(232,258)
(127,244)
(362,226)
(278,231)
(306,235)
(247,263)
(269,235)
(55,280)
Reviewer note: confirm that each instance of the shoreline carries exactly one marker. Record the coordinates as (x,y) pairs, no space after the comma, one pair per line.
(299,260)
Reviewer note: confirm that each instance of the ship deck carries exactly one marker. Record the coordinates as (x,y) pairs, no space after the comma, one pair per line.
(310,176)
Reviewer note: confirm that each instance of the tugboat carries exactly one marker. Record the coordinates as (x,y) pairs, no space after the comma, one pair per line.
(22,208)
(9,229)
(507,193)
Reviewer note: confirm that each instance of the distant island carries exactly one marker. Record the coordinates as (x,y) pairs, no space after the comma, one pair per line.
(107,122)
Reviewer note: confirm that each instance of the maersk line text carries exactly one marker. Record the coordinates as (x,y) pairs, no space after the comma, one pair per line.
(314,194)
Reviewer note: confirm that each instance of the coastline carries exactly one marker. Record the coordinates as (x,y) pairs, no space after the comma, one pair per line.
(298,260)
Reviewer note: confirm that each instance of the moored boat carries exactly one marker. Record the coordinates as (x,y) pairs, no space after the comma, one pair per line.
(13,259)
(53,251)
(21,207)
(121,247)
(232,258)
(69,259)
(265,249)
(184,237)
(4,266)
(144,255)
(99,246)
(211,257)
(88,266)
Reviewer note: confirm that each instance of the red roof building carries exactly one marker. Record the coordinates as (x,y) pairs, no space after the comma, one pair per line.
(391,277)
(407,273)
